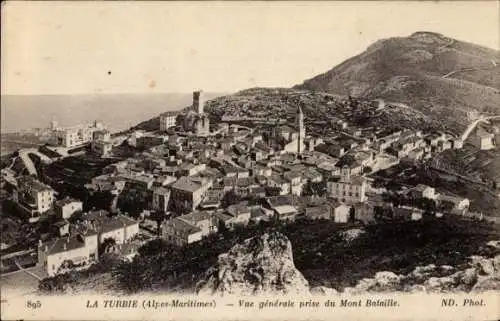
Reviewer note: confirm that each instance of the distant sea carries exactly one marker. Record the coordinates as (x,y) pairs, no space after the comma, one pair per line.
(117,111)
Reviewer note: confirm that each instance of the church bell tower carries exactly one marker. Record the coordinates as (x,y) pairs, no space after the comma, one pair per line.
(301,129)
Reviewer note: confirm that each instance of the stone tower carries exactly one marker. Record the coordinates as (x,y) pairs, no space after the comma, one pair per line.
(198,102)
(301,129)
(53,124)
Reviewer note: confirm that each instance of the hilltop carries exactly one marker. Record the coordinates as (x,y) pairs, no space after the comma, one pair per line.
(429,81)
(439,76)
(320,109)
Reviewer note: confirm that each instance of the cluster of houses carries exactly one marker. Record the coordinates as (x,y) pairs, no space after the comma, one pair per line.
(94,134)
(79,245)
(191,168)
(71,245)
(456,204)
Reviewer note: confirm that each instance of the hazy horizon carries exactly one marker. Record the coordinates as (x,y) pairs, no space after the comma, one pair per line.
(88,47)
(117,111)
(120,94)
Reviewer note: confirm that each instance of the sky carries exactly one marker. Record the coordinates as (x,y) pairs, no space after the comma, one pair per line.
(160,47)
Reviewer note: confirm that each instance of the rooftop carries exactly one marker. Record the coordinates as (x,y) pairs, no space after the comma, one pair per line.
(161,191)
(63,244)
(182,226)
(223,217)
(280,200)
(482,133)
(33,183)
(196,217)
(65,201)
(102,222)
(257,212)
(285,209)
(237,209)
(421,187)
(187,184)
(451,198)
(170,113)
(290,175)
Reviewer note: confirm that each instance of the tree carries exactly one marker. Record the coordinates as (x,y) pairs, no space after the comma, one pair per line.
(273,191)
(315,188)
(155,247)
(367,170)
(231,198)
(58,283)
(158,217)
(133,201)
(428,205)
(446,206)
(76,217)
(378,212)
(67,264)
(106,245)
(352,214)
(130,276)
(222,228)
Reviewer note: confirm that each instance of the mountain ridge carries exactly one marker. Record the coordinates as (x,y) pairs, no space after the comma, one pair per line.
(428,71)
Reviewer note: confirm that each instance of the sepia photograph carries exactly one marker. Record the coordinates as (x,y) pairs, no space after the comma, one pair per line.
(250,160)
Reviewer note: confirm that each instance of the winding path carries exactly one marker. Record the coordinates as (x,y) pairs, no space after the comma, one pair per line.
(493,65)
(19,266)
(467,69)
(473,125)
(24,155)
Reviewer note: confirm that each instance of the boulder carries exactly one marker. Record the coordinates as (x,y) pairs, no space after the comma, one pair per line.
(323,290)
(486,265)
(352,234)
(487,284)
(495,244)
(261,265)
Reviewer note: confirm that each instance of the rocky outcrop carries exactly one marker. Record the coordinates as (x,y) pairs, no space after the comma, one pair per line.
(261,265)
(481,274)
(352,234)
(384,281)
(323,290)
(264,265)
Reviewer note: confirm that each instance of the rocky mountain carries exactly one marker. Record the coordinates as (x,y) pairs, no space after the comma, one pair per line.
(262,265)
(429,80)
(437,75)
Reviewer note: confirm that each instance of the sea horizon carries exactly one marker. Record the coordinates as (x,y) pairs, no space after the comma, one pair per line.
(117,111)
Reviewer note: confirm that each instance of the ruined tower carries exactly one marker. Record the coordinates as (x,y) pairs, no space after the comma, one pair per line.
(198,102)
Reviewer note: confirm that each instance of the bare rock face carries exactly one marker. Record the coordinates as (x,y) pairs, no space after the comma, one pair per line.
(323,290)
(480,274)
(489,276)
(384,281)
(261,265)
(351,234)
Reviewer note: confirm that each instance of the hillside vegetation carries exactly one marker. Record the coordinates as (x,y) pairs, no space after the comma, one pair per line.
(439,76)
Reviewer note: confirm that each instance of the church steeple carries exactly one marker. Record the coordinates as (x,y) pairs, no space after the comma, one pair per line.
(301,129)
